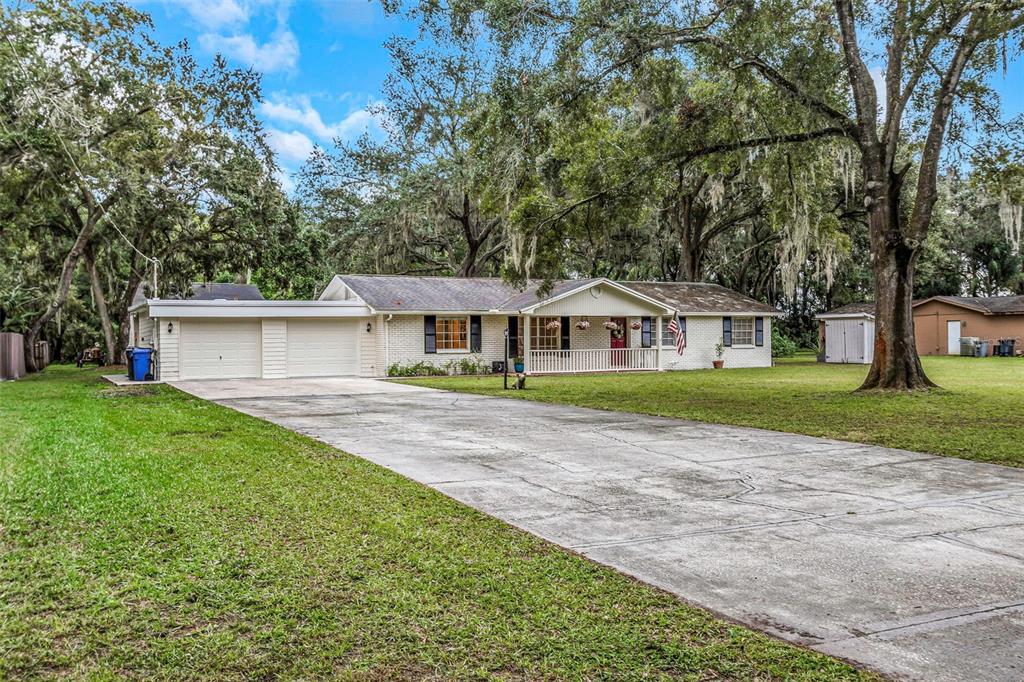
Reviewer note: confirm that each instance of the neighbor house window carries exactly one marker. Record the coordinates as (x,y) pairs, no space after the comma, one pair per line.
(743,331)
(544,335)
(452,334)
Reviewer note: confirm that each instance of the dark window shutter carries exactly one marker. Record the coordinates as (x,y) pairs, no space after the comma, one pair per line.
(726,331)
(430,333)
(513,335)
(758,331)
(474,334)
(682,324)
(645,332)
(565,332)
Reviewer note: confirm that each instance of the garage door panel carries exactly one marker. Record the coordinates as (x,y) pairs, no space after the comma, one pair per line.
(322,348)
(220,349)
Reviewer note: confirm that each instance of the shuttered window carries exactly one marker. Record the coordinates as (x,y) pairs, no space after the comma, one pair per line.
(452,334)
(743,331)
(544,335)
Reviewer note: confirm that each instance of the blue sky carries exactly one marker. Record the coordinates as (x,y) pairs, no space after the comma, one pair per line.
(323,62)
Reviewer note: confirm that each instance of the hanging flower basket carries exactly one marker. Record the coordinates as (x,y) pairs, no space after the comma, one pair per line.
(553,324)
(583,325)
(636,325)
(611,326)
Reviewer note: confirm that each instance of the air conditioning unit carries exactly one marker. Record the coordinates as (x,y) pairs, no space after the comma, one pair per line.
(498,367)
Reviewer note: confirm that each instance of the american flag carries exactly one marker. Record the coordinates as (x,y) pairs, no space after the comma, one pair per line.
(673,328)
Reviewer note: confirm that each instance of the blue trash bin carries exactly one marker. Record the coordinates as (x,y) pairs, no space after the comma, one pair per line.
(128,353)
(140,363)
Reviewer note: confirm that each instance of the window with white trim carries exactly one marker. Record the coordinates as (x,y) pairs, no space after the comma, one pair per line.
(743,331)
(668,339)
(452,334)
(544,335)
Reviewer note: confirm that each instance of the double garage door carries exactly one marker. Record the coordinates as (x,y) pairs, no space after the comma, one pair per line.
(223,349)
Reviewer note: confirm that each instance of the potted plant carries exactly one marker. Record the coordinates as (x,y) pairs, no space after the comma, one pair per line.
(636,325)
(583,325)
(719,352)
(553,324)
(518,364)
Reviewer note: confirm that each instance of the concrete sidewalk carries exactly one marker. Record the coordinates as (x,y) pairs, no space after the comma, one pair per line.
(907,563)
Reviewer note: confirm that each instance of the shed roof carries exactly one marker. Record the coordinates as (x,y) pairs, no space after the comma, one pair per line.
(850,309)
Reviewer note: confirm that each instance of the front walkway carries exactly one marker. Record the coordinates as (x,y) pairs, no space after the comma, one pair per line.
(907,563)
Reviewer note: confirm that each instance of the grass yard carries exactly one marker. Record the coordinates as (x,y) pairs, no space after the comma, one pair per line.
(978,414)
(148,534)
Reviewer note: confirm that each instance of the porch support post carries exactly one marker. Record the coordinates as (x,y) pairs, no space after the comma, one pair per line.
(657,336)
(526,344)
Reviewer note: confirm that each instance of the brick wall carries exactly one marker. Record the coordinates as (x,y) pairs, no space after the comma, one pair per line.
(702,334)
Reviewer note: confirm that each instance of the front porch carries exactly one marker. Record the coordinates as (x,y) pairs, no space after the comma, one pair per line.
(593,360)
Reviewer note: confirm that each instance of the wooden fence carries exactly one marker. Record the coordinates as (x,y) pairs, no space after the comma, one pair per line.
(12,355)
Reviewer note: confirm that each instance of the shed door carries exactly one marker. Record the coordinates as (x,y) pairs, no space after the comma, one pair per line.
(953,337)
(318,348)
(844,341)
(220,349)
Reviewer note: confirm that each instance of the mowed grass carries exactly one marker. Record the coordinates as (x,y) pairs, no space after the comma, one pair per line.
(978,414)
(147,534)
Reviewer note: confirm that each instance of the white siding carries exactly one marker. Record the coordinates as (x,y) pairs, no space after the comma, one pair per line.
(275,349)
(168,349)
(368,362)
(598,300)
(703,334)
(146,331)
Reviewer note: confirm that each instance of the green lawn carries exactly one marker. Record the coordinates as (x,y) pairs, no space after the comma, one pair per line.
(979,413)
(147,534)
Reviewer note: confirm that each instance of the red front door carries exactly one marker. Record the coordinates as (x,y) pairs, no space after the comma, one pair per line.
(617,341)
(617,337)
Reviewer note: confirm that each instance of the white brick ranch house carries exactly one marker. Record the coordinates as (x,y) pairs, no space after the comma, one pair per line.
(364,324)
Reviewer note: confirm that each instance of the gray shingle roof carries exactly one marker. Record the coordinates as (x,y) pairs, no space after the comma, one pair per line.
(991,305)
(230,292)
(852,309)
(483,294)
(698,297)
(454,294)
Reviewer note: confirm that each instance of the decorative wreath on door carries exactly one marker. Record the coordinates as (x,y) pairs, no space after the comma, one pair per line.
(618,333)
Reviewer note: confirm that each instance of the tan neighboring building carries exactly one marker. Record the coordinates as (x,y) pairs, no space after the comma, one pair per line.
(940,321)
(846,334)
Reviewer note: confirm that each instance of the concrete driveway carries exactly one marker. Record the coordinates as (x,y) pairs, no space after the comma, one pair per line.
(907,563)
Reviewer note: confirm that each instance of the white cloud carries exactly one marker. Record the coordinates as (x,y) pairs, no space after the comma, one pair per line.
(291,146)
(280,53)
(217,14)
(299,111)
(284,179)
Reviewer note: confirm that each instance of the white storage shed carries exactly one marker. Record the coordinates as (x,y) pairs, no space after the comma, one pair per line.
(847,334)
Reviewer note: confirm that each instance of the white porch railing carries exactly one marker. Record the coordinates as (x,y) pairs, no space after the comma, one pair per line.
(592,360)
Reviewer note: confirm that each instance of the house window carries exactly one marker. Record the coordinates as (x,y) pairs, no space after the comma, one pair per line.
(743,331)
(668,339)
(544,335)
(452,334)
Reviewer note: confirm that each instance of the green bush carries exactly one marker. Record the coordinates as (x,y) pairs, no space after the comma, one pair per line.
(782,346)
(466,365)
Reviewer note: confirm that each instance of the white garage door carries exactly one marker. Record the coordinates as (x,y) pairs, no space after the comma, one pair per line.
(319,348)
(220,349)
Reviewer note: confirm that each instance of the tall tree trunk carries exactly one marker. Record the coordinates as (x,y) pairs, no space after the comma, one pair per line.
(896,365)
(63,289)
(101,307)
